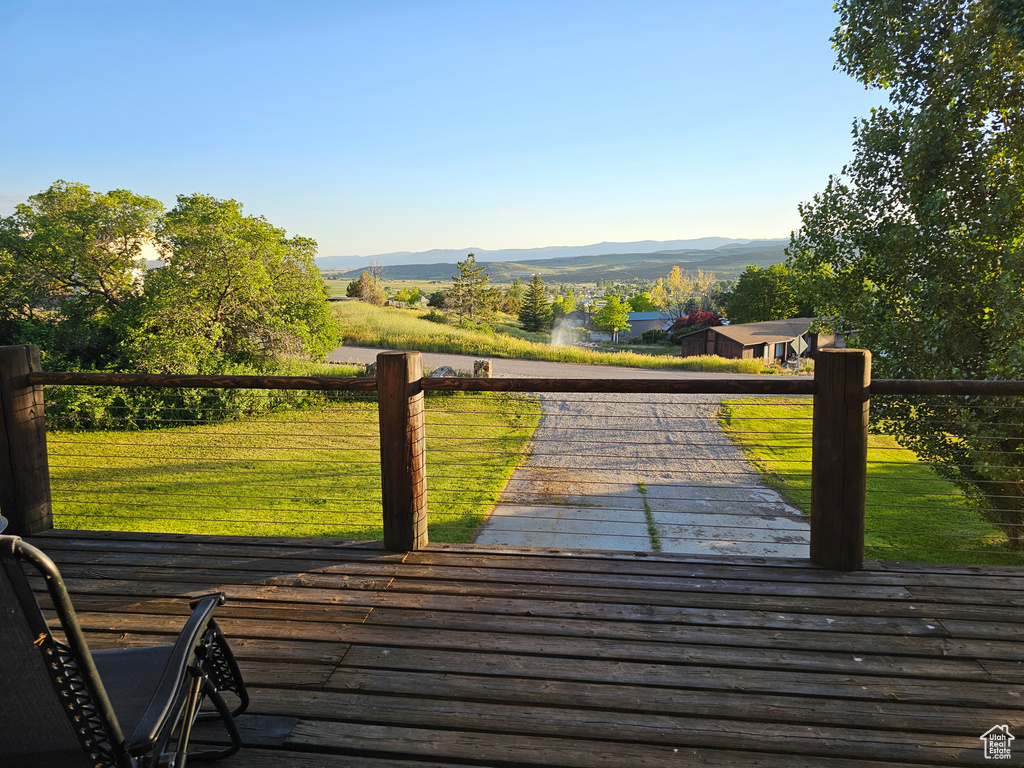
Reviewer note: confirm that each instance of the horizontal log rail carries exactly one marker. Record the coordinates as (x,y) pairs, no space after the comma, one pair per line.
(977,387)
(775,386)
(157,380)
(627,386)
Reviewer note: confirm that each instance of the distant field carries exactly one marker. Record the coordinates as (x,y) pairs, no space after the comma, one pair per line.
(338,286)
(390,328)
(313,472)
(911,514)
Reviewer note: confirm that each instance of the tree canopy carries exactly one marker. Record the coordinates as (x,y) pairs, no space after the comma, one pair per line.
(764,294)
(71,271)
(235,292)
(916,250)
(613,316)
(642,302)
(680,292)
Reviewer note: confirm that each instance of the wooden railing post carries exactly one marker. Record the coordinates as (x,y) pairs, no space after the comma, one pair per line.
(839,458)
(24,471)
(402,457)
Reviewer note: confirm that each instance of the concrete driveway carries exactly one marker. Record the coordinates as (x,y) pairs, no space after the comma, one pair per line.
(598,458)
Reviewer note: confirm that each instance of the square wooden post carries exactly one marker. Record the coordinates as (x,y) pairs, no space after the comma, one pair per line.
(839,458)
(402,450)
(24,470)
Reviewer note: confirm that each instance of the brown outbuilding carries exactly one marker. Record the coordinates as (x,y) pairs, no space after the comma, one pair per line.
(770,340)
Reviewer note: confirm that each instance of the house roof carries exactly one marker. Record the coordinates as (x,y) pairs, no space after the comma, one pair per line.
(644,315)
(768,332)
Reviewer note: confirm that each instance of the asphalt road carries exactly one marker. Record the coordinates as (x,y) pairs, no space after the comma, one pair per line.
(531,368)
(598,458)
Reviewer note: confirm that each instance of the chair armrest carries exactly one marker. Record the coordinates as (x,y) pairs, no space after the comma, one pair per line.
(169,694)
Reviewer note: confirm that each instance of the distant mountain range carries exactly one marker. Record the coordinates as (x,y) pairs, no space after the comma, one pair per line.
(451,255)
(619,262)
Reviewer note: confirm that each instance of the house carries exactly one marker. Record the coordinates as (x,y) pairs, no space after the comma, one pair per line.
(770,340)
(641,322)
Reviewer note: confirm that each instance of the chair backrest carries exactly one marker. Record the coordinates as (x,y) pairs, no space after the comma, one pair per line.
(48,699)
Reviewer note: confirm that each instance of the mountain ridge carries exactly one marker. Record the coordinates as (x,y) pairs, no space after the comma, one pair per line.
(451,255)
(727,262)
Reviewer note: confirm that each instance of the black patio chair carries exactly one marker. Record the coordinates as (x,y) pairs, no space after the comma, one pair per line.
(61,705)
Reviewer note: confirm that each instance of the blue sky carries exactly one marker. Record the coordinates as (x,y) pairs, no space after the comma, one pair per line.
(384,125)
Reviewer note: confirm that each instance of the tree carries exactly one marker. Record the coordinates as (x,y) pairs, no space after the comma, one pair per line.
(564,303)
(71,269)
(659,294)
(408,296)
(681,292)
(916,250)
(612,317)
(236,293)
(762,294)
(470,295)
(642,302)
(370,289)
(354,289)
(512,298)
(535,314)
(705,285)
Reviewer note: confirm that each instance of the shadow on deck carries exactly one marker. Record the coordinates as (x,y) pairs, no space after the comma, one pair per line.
(457,655)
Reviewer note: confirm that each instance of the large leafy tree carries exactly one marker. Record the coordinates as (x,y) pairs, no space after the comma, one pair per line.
(612,317)
(680,292)
(536,312)
(763,294)
(71,270)
(236,293)
(916,250)
(642,302)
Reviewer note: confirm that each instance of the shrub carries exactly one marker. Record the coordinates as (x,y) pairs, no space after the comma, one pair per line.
(435,317)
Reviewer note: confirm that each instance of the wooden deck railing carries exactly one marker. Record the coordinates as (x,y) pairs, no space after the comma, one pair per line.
(841,387)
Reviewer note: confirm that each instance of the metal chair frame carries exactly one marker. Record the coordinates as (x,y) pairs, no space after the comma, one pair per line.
(200,667)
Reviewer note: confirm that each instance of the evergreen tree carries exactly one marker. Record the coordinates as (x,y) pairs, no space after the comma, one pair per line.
(470,295)
(535,314)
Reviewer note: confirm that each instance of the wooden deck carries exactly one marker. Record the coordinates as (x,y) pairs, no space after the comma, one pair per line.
(458,656)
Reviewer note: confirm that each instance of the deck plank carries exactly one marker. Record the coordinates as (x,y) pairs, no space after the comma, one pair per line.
(482,657)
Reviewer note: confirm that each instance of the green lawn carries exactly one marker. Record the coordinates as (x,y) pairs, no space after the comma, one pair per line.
(391,328)
(911,514)
(311,472)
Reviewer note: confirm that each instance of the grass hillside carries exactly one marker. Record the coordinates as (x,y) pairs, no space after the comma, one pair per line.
(368,326)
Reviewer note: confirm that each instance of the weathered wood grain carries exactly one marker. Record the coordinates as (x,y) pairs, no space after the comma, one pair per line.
(839,458)
(24,466)
(402,450)
(441,657)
